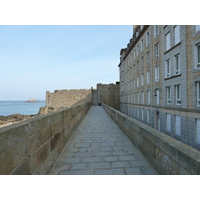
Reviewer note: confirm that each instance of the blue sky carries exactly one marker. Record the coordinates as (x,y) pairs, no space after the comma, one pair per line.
(34,59)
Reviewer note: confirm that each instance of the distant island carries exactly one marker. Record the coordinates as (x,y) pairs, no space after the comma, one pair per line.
(32,100)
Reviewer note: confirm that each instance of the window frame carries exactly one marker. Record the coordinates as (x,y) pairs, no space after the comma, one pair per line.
(177,68)
(178,125)
(167,41)
(178,94)
(142,114)
(198,92)
(142,79)
(168,122)
(142,62)
(198,130)
(168,94)
(148,57)
(157,96)
(177,37)
(137,50)
(138,81)
(147,39)
(148,97)
(143,97)
(197,52)
(148,116)
(148,77)
(167,68)
(142,45)
(157,51)
(156,30)
(157,73)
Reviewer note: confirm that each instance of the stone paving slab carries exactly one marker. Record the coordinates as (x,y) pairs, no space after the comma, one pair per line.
(99,147)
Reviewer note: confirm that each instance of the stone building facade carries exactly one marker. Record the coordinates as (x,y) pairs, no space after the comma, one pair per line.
(160,80)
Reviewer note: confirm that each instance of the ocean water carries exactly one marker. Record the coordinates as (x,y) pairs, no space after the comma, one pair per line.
(21,107)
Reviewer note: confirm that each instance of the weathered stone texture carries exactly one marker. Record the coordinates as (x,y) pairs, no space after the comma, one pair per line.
(166,154)
(109,94)
(67,98)
(31,147)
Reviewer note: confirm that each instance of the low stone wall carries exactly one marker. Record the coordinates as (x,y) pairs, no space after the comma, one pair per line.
(166,154)
(31,147)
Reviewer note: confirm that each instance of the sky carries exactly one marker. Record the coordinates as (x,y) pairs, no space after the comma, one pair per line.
(39,58)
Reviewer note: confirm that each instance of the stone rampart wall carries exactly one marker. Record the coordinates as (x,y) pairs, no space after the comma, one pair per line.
(31,147)
(166,154)
(67,98)
(109,94)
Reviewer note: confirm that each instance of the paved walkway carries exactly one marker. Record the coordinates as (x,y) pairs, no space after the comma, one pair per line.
(99,147)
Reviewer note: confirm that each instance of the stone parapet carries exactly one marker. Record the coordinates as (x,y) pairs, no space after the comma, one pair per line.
(166,154)
(31,147)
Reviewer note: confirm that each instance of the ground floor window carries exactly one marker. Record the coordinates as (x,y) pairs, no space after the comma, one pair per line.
(178,125)
(198,130)
(168,122)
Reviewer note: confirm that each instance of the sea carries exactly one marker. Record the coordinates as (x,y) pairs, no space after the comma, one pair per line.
(21,107)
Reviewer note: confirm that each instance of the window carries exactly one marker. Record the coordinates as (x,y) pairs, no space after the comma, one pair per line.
(198,130)
(157,97)
(178,125)
(148,57)
(148,116)
(138,84)
(142,96)
(177,64)
(157,51)
(137,50)
(168,95)
(131,58)
(167,39)
(134,83)
(142,45)
(134,98)
(138,113)
(177,34)
(134,54)
(138,66)
(178,94)
(147,39)
(138,97)
(142,62)
(128,59)
(168,122)
(198,56)
(142,79)
(148,77)
(198,93)
(167,68)
(156,73)
(142,114)
(197,28)
(156,29)
(148,96)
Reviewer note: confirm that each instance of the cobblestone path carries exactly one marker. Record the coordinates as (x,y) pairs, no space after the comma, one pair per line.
(99,147)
